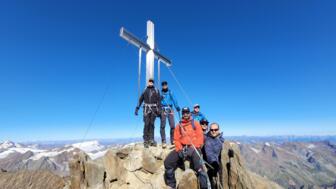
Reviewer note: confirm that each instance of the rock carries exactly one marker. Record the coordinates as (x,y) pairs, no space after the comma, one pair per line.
(133,167)
(188,180)
(236,176)
(94,174)
(77,168)
(112,166)
(149,163)
(31,180)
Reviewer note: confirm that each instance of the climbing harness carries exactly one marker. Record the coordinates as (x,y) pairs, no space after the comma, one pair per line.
(148,108)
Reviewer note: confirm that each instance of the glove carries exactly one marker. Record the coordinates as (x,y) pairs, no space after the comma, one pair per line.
(136,111)
(178,109)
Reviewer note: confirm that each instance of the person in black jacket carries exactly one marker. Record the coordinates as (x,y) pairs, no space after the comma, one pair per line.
(151,109)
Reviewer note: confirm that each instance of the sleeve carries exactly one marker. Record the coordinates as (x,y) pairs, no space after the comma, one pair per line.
(199,135)
(203,116)
(209,151)
(174,100)
(141,99)
(177,136)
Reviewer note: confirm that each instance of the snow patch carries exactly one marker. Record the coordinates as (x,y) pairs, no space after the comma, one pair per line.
(267,144)
(18,150)
(311,146)
(97,155)
(89,146)
(255,150)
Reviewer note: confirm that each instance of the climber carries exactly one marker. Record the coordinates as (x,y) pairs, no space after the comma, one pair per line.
(167,102)
(204,124)
(213,147)
(151,109)
(196,114)
(188,137)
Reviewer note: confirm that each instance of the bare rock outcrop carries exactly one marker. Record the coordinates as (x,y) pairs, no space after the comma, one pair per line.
(132,167)
(31,180)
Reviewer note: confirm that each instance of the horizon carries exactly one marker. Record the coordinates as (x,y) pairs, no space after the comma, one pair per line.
(255,67)
(104,140)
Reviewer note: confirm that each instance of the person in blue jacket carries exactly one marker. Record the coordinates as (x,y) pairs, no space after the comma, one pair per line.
(168,102)
(196,114)
(213,147)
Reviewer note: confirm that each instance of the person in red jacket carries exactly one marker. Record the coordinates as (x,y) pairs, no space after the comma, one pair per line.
(188,137)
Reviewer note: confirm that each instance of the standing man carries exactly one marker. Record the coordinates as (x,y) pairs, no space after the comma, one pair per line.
(188,138)
(196,114)
(167,102)
(151,109)
(213,147)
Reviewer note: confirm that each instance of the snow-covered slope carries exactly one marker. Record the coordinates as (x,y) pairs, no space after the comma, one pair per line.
(15,156)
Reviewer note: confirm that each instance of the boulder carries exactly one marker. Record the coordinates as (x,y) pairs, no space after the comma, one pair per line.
(149,163)
(112,165)
(94,175)
(188,180)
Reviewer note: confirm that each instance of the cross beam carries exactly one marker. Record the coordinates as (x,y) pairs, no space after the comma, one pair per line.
(148,48)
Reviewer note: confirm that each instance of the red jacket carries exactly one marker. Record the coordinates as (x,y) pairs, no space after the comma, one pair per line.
(182,136)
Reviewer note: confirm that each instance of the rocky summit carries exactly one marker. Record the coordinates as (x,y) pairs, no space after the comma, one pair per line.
(133,167)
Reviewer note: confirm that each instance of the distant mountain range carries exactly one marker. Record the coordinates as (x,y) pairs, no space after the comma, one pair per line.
(291,161)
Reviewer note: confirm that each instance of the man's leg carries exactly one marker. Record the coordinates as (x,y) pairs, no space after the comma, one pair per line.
(212,173)
(170,164)
(172,127)
(146,130)
(163,127)
(198,167)
(151,128)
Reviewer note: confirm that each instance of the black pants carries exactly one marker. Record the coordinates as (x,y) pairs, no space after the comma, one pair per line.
(212,173)
(173,161)
(164,116)
(148,132)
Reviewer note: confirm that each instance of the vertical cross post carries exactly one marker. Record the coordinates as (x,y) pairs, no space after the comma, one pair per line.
(150,53)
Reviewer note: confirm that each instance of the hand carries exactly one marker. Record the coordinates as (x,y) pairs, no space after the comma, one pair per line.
(136,111)
(178,109)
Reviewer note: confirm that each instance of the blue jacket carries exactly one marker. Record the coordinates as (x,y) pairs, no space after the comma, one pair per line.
(168,100)
(213,148)
(197,116)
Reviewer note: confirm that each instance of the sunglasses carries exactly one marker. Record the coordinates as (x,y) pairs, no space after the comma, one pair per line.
(214,129)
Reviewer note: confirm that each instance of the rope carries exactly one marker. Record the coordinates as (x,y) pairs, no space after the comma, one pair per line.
(180,86)
(96,111)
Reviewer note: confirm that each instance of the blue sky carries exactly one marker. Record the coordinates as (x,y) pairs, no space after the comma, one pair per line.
(256,67)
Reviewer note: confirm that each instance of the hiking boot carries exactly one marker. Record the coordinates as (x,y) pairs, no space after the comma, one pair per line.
(146,145)
(164,145)
(153,143)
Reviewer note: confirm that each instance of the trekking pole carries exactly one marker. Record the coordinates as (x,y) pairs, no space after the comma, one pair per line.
(198,154)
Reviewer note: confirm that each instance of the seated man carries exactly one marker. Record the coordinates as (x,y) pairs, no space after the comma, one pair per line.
(213,147)
(188,137)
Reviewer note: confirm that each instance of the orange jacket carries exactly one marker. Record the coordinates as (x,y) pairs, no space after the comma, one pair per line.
(183,135)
